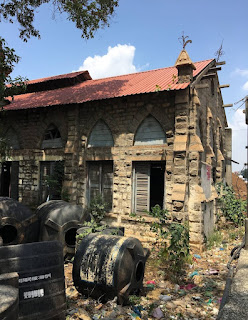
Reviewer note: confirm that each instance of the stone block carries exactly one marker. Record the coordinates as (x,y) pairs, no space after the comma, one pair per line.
(195,143)
(180,143)
(180,178)
(182,97)
(196,238)
(178,192)
(195,227)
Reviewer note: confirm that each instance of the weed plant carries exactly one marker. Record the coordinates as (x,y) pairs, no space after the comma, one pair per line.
(172,239)
(232,208)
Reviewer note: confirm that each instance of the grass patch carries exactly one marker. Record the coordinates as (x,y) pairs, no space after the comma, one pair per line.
(214,240)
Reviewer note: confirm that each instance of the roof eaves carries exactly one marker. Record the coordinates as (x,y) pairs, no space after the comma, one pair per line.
(198,77)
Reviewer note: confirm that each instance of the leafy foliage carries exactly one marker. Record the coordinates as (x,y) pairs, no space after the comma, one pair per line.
(8,59)
(233,209)
(90,227)
(98,208)
(173,239)
(55,180)
(88,15)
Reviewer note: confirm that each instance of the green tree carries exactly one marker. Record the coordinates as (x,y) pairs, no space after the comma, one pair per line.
(88,15)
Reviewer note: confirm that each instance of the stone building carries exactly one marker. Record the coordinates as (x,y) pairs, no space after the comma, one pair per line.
(154,137)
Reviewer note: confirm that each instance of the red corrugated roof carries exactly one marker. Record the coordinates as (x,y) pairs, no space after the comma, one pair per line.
(90,90)
(60,76)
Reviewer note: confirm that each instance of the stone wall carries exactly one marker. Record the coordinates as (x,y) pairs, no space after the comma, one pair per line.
(185,116)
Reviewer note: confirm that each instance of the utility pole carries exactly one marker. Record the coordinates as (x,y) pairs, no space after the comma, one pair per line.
(246,220)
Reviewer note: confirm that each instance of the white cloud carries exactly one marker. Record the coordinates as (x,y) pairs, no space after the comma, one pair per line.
(245,86)
(239,139)
(242,73)
(117,61)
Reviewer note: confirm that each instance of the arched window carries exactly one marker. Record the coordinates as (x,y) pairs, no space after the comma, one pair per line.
(101,136)
(12,139)
(52,138)
(149,132)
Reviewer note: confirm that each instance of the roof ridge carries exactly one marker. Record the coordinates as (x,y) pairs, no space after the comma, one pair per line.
(55,76)
(146,71)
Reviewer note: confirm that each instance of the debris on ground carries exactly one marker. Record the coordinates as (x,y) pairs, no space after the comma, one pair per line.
(195,296)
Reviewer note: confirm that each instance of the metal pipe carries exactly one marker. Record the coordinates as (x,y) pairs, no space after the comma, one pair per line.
(246,234)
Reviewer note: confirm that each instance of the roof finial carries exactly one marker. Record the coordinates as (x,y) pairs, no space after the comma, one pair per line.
(219,52)
(183,40)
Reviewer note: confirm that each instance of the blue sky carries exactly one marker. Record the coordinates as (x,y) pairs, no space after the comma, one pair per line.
(143,35)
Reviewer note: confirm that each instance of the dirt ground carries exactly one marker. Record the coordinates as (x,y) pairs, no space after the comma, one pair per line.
(196,296)
(239,186)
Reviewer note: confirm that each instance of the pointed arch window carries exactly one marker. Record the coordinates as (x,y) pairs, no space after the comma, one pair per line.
(52,138)
(12,139)
(101,136)
(150,132)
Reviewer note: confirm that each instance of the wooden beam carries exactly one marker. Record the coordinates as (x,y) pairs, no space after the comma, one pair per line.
(215,69)
(202,86)
(227,105)
(221,63)
(210,75)
(224,86)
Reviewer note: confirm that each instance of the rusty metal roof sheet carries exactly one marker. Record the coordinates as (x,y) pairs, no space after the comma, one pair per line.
(61,76)
(107,88)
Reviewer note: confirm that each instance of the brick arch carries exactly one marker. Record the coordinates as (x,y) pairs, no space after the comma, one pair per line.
(164,120)
(141,135)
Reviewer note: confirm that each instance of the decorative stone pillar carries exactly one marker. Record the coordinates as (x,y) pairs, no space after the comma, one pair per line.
(71,156)
(180,171)
(185,67)
(196,194)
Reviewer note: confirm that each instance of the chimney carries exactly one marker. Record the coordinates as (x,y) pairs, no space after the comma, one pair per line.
(185,67)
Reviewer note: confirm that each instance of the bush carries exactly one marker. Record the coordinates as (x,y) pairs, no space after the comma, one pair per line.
(232,208)
(173,238)
(98,208)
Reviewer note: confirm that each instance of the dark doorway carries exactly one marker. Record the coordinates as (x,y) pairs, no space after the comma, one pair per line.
(9,179)
(157,185)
